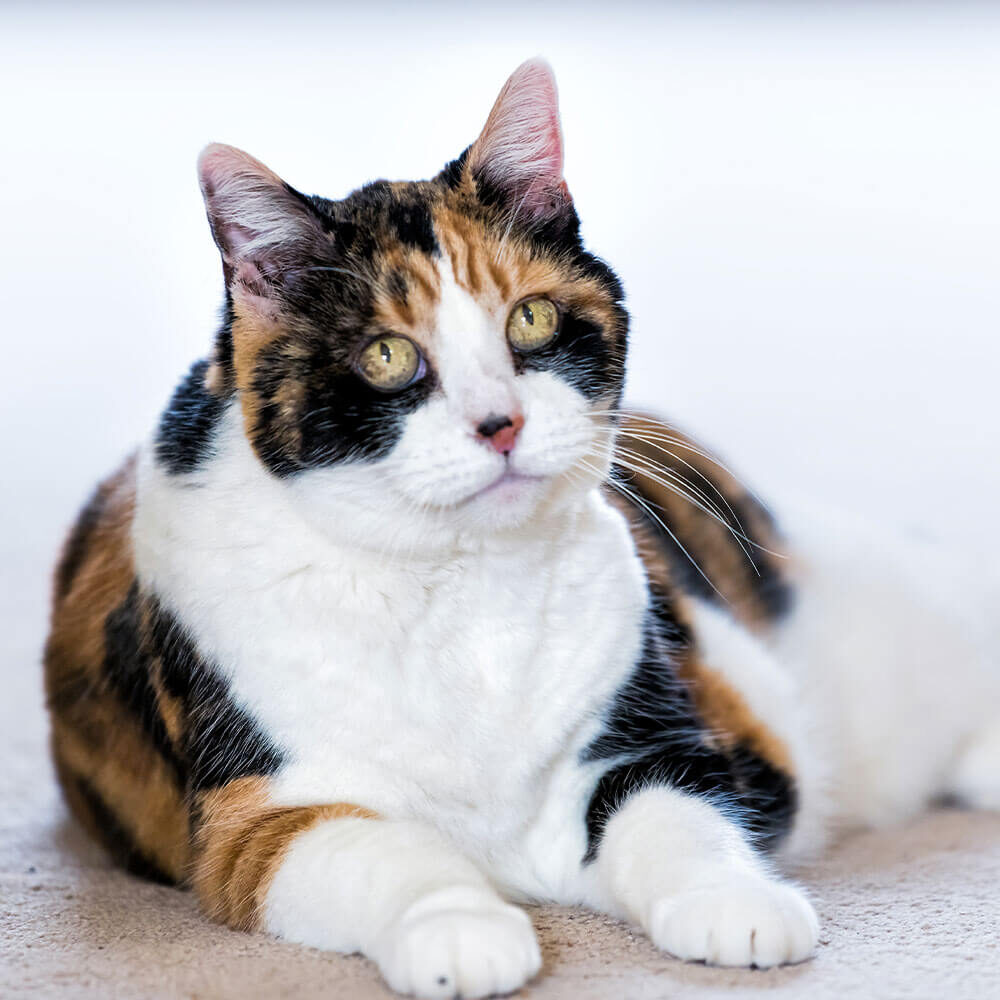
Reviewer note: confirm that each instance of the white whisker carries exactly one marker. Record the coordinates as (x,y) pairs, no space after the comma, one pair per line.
(714,512)
(635,498)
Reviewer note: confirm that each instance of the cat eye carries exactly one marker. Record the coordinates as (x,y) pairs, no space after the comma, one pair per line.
(390,363)
(532,324)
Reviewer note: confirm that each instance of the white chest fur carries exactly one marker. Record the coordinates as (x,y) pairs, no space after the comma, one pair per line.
(459,690)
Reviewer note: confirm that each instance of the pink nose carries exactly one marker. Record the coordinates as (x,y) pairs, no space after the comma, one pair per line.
(500,433)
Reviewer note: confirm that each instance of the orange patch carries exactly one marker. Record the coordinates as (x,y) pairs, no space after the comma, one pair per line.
(412,312)
(94,738)
(725,711)
(241,841)
(500,271)
(74,652)
(139,789)
(170,709)
(252,332)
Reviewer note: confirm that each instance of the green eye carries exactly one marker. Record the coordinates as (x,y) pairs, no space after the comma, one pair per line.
(532,324)
(390,363)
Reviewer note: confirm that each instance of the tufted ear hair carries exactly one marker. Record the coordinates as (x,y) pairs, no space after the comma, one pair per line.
(519,153)
(260,224)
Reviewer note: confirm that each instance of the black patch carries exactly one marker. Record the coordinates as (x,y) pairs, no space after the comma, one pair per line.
(76,546)
(116,839)
(579,355)
(395,282)
(127,664)
(187,426)
(683,569)
(558,232)
(769,797)
(312,408)
(222,742)
(453,172)
(775,593)
(347,233)
(653,736)
(224,356)
(771,587)
(400,215)
(412,225)
(340,418)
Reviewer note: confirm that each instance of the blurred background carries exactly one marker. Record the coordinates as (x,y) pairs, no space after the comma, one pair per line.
(802,200)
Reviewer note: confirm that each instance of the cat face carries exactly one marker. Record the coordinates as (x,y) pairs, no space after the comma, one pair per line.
(429,359)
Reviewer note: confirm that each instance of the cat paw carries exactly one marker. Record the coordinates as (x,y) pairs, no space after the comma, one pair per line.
(459,942)
(750,922)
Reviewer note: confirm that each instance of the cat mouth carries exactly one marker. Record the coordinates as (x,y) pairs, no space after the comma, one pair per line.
(508,484)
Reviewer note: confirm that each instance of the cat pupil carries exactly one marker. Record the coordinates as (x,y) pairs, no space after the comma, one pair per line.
(386,353)
(528,315)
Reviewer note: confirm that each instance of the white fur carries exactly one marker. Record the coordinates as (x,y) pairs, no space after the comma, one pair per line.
(400,893)
(891,663)
(459,941)
(402,682)
(676,866)
(433,638)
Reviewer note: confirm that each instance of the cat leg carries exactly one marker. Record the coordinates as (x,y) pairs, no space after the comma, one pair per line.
(975,780)
(338,877)
(674,864)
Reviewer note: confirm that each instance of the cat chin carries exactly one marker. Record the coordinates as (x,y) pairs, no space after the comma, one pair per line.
(514,502)
(509,488)
(511,500)
(518,502)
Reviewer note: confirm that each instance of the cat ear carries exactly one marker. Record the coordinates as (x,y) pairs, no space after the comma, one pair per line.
(519,153)
(260,224)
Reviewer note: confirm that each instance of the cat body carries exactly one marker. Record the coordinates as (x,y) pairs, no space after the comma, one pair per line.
(893,664)
(428,727)
(397,618)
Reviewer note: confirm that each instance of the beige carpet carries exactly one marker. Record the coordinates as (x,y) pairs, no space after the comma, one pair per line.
(913,913)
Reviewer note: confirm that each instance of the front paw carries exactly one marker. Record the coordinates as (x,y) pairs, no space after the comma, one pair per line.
(459,942)
(746,921)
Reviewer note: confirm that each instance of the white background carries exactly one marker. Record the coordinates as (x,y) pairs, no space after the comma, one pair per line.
(802,200)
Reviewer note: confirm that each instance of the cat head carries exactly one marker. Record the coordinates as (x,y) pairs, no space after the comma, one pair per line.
(422,360)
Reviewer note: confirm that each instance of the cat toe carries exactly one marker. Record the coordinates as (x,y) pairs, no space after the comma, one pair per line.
(460,947)
(750,923)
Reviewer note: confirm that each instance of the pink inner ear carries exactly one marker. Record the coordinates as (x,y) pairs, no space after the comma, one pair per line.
(520,148)
(248,205)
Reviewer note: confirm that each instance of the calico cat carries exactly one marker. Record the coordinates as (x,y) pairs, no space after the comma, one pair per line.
(398,619)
